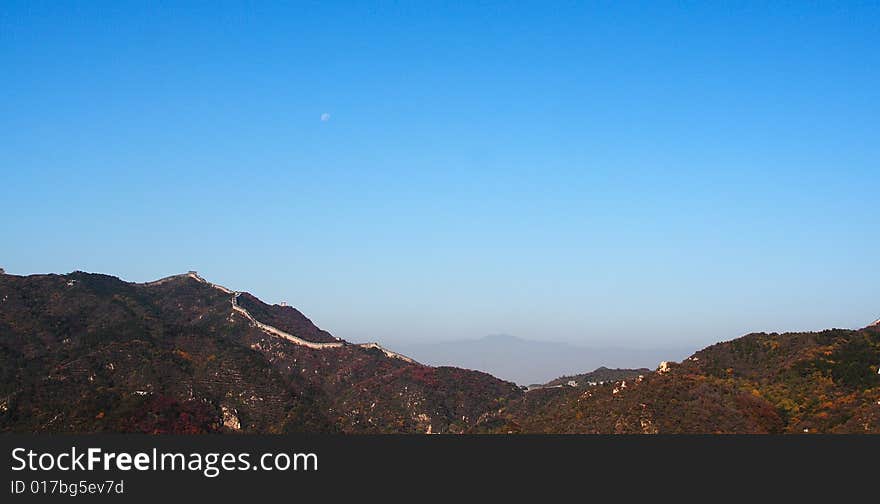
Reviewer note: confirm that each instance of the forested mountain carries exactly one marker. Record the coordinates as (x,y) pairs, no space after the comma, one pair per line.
(824,382)
(91,353)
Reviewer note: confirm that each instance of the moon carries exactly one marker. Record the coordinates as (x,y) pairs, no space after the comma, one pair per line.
(325,117)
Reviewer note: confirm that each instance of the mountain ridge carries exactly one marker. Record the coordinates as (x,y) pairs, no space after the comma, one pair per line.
(87,352)
(171,356)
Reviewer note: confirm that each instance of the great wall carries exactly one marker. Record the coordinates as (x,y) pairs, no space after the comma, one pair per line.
(274,331)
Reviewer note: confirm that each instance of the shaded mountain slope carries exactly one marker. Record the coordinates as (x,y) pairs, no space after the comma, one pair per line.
(285,318)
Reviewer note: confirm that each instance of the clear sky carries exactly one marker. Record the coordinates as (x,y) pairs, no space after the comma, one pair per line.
(651,174)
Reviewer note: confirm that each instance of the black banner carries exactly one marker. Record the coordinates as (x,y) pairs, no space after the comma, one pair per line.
(408,468)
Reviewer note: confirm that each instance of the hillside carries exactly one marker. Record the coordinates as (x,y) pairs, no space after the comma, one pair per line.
(598,376)
(825,382)
(91,353)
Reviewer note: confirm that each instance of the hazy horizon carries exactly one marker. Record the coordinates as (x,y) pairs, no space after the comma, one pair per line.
(647,175)
(528,362)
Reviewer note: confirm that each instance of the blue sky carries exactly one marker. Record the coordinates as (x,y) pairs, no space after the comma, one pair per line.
(644,174)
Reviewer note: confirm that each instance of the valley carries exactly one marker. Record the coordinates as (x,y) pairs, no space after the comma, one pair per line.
(86,352)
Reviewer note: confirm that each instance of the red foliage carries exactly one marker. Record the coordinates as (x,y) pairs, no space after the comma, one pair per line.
(426,376)
(166,415)
(765,417)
